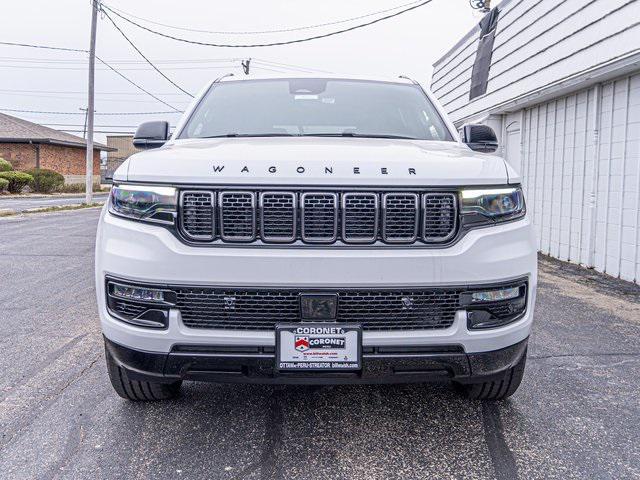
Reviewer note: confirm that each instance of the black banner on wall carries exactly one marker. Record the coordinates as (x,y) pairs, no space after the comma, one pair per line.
(482,64)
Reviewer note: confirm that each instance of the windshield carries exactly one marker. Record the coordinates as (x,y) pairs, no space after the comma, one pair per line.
(316,107)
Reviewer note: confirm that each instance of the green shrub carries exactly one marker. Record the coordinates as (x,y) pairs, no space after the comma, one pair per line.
(79,188)
(45,181)
(3,184)
(5,166)
(17,180)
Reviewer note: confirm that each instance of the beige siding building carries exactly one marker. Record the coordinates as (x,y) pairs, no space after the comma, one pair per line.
(123,148)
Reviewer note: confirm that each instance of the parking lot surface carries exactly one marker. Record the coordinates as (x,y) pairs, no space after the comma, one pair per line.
(576,414)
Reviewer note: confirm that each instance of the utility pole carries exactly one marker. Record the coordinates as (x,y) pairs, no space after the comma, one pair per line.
(90,103)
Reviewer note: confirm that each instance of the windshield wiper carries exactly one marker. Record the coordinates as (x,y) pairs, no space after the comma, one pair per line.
(358,135)
(234,135)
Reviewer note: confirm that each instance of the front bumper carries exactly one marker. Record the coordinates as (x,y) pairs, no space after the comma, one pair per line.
(147,253)
(379,365)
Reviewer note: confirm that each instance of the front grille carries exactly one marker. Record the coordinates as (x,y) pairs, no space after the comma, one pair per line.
(318,217)
(400,217)
(237,216)
(278,216)
(197,215)
(439,216)
(359,217)
(374,309)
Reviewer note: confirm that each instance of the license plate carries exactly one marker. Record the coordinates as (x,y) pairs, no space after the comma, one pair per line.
(318,346)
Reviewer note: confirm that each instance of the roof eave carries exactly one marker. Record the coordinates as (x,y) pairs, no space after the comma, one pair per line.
(49,141)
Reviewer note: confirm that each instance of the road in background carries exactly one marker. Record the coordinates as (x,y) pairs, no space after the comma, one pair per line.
(576,414)
(21,204)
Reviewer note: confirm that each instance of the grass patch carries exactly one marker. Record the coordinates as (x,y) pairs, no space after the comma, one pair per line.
(59,208)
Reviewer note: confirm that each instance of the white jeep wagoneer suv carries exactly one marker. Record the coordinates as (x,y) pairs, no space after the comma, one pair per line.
(315,231)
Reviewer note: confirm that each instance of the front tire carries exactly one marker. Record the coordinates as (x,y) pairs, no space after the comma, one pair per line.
(136,390)
(497,389)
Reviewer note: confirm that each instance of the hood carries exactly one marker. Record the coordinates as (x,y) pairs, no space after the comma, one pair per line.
(314,161)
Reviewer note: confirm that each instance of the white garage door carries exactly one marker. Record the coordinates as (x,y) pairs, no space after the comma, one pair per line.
(581,171)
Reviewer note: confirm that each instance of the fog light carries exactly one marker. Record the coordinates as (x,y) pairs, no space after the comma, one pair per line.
(495,295)
(137,293)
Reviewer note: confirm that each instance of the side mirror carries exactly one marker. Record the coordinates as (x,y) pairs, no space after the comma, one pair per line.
(480,138)
(151,134)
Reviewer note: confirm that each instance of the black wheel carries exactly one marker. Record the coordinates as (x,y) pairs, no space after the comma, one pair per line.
(499,388)
(135,390)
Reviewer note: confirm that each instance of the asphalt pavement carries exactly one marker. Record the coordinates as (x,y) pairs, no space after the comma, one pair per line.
(576,414)
(21,204)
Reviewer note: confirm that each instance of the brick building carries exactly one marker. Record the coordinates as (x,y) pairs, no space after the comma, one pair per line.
(120,148)
(27,145)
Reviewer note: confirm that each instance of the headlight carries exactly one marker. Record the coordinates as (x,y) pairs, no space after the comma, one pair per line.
(144,202)
(489,205)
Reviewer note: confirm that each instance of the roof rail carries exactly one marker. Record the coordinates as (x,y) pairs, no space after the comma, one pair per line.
(217,80)
(408,78)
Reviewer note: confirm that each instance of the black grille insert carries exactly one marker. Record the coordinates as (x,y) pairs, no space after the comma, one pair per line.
(319,217)
(359,217)
(278,216)
(439,216)
(238,216)
(197,217)
(400,217)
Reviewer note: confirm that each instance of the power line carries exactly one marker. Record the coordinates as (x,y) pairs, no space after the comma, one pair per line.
(135,84)
(271,44)
(45,47)
(160,62)
(82,113)
(257,32)
(289,66)
(51,95)
(50,67)
(69,92)
(70,60)
(143,55)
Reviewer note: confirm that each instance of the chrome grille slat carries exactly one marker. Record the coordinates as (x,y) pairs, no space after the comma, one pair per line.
(360,217)
(439,216)
(400,217)
(237,216)
(318,217)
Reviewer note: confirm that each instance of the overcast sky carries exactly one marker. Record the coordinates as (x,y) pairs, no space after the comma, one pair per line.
(32,79)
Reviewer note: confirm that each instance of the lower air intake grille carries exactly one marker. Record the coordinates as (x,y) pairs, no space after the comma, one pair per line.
(128,309)
(262,309)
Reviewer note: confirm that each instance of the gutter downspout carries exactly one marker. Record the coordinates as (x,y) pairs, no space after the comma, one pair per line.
(593,194)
